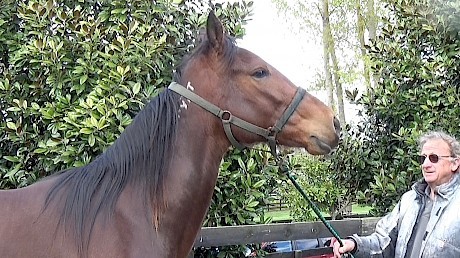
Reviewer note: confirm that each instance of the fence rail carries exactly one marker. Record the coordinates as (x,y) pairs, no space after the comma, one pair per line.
(277,203)
(238,235)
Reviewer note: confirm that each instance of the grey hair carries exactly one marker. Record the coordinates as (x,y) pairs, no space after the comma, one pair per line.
(453,143)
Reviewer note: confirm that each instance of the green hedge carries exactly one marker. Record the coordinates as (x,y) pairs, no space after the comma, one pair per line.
(417,62)
(74,73)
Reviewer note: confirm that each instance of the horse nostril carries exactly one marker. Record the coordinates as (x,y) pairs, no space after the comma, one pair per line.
(337,125)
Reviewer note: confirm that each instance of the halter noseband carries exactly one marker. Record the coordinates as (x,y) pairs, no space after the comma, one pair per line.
(228,119)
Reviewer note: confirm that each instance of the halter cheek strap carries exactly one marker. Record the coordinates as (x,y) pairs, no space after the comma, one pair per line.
(228,119)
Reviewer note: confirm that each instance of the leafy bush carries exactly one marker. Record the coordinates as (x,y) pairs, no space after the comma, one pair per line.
(416,58)
(318,183)
(246,180)
(349,165)
(75,73)
(249,179)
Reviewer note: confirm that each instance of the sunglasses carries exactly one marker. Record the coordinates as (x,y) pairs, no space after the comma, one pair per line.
(432,157)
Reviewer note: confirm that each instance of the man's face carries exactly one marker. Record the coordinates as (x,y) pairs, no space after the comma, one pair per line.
(440,172)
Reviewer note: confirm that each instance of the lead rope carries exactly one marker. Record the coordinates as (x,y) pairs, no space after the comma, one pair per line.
(284,169)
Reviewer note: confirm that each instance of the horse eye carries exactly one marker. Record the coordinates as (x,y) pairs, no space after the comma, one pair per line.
(260,73)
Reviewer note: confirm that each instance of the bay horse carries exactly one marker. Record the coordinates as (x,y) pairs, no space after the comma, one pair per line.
(148,193)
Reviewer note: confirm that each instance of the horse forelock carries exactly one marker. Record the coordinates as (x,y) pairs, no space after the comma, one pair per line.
(139,157)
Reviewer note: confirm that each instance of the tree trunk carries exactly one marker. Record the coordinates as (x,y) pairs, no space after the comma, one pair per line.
(372,30)
(361,25)
(326,49)
(330,48)
(371,19)
(338,85)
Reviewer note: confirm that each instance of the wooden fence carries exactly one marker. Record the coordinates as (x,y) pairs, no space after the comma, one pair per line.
(237,235)
(277,203)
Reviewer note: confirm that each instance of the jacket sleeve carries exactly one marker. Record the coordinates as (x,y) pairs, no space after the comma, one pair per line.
(382,242)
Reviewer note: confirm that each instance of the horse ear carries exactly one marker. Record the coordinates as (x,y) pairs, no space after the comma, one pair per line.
(215,32)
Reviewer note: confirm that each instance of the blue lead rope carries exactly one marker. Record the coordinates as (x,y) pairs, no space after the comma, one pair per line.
(285,170)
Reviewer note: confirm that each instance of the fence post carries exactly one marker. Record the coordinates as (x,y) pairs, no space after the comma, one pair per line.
(297,254)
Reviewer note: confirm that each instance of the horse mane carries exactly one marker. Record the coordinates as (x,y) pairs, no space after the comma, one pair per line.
(139,157)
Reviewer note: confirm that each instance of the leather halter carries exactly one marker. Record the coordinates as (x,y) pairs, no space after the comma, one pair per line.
(228,119)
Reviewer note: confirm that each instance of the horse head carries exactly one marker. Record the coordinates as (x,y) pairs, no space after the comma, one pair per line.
(244,86)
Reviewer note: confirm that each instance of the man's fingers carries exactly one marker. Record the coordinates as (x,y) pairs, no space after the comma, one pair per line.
(336,250)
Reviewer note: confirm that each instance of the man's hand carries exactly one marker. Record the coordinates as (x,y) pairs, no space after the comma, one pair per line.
(348,246)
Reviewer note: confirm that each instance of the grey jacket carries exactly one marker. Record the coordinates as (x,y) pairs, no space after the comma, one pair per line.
(392,232)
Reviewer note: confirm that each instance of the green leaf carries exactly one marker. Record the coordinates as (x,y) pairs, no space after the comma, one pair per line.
(13,172)
(40,150)
(12,158)
(136,88)
(241,163)
(11,125)
(13,109)
(86,130)
(240,218)
(259,183)
(83,78)
(252,204)
(251,164)
(94,121)
(91,140)
(120,70)
(52,143)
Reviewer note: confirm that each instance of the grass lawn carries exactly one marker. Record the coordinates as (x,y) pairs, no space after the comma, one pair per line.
(279,215)
(282,215)
(359,209)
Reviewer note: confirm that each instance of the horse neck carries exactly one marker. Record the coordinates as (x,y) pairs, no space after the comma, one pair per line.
(193,173)
(199,151)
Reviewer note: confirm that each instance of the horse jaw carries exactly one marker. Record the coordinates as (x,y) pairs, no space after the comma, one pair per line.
(319,147)
(314,129)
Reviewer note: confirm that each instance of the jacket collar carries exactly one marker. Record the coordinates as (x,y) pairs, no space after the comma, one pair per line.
(445,190)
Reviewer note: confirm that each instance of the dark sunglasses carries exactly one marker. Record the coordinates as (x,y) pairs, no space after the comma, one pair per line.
(432,157)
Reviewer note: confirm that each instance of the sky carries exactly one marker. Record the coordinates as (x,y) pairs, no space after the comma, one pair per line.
(270,36)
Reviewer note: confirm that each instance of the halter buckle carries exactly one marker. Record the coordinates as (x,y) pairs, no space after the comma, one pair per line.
(226,116)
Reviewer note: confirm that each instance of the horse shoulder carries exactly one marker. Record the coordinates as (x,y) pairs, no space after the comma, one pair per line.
(22,217)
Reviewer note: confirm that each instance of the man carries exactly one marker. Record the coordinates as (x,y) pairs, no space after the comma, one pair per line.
(426,221)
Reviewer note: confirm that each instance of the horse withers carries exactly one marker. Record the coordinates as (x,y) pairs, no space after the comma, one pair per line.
(147,195)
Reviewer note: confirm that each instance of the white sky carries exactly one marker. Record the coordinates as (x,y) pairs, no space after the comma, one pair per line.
(269,36)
